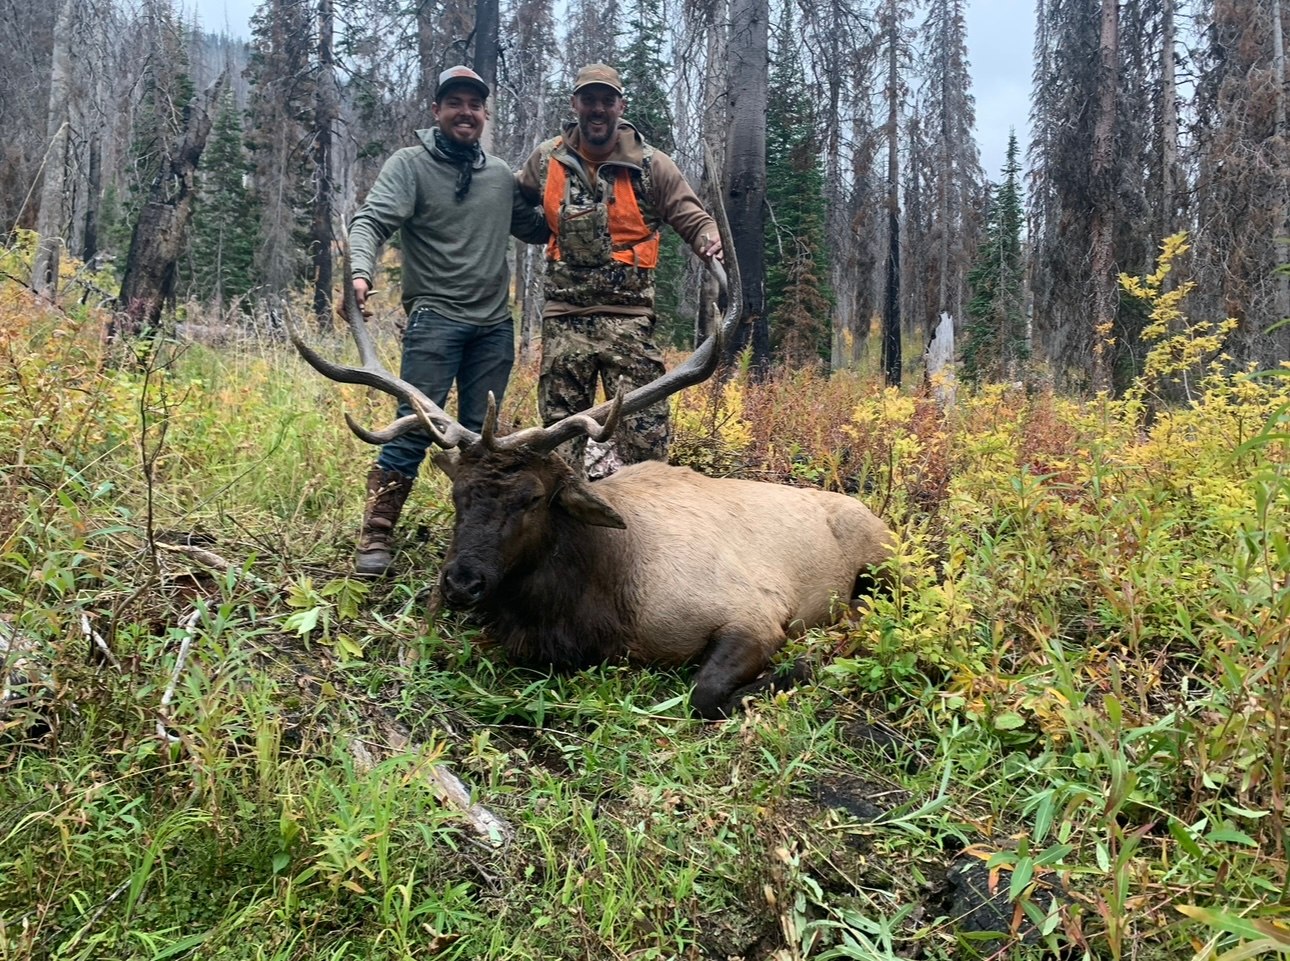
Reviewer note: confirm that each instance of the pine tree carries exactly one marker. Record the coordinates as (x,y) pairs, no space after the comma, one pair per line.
(591,35)
(1243,187)
(1062,119)
(955,165)
(225,234)
(648,108)
(279,114)
(892,18)
(643,70)
(798,298)
(996,343)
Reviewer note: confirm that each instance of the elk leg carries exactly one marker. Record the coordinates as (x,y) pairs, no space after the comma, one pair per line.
(736,656)
(773,683)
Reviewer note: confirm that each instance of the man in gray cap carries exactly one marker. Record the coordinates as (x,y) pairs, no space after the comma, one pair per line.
(606,194)
(455,206)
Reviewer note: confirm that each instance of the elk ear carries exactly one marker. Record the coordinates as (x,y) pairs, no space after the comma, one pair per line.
(582,505)
(447,461)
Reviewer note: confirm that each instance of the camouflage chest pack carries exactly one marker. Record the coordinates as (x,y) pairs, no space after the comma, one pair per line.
(604,235)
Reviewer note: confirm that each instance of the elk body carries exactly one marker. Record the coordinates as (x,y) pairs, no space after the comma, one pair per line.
(654,564)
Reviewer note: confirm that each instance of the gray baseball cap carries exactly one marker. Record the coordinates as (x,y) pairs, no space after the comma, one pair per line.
(463,75)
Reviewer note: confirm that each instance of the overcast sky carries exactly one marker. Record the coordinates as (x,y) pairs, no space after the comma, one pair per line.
(1000,38)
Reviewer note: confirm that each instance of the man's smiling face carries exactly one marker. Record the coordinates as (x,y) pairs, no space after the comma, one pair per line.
(460,114)
(598,108)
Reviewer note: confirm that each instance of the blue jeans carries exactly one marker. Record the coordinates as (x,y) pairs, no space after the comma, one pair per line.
(437,351)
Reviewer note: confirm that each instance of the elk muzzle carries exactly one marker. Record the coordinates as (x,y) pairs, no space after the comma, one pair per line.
(466,581)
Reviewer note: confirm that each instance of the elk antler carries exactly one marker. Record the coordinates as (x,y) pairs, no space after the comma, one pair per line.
(534,437)
(427,415)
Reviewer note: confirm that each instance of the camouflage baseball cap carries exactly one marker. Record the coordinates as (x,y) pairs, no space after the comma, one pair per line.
(461,75)
(598,73)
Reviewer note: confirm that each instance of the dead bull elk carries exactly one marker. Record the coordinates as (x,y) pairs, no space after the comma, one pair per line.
(654,563)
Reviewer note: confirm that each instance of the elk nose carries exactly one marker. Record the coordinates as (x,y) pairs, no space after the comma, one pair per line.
(462,586)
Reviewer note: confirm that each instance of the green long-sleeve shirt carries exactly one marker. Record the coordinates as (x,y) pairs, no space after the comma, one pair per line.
(454,252)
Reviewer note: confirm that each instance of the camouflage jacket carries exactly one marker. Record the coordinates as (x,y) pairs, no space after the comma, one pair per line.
(582,274)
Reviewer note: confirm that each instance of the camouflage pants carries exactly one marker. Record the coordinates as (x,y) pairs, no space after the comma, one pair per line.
(580,351)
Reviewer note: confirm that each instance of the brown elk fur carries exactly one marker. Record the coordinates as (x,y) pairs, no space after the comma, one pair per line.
(653,564)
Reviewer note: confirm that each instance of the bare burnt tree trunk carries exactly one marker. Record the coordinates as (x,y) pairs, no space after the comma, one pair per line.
(891,359)
(521,299)
(427,59)
(944,176)
(445,37)
(917,265)
(52,222)
(836,212)
(746,177)
(99,117)
(1103,254)
(525,101)
(487,19)
(94,188)
(531,41)
(1168,123)
(865,227)
(1281,290)
(531,319)
(159,234)
(326,113)
(716,111)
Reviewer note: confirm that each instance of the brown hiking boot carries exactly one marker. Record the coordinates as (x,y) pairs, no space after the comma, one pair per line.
(386,492)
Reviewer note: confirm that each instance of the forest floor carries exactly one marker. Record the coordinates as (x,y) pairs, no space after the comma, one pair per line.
(1065,734)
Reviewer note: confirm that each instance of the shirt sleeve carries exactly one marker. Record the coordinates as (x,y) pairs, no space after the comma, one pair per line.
(529,179)
(389,204)
(528,223)
(678,205)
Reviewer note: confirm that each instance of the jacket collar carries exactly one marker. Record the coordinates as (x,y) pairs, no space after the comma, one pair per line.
(629,150)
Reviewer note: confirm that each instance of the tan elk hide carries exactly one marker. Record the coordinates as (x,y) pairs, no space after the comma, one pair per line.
(654,564)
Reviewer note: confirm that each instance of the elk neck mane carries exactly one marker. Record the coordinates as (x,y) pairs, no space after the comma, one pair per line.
(562,609)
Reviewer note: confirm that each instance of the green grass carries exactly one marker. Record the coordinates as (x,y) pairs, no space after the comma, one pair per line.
(1080,687)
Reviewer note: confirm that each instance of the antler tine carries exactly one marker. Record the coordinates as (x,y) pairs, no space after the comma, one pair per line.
(398,429)
(542,439)
(426,415)
(611,421)
(488,434)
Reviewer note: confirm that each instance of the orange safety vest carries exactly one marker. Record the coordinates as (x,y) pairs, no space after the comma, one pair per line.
(631,240)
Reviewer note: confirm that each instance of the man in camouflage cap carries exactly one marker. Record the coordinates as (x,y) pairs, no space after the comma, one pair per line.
(606,194)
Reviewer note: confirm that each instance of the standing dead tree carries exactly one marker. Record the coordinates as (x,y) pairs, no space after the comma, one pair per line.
(159,233)
(1104,184)
(745,193)
(53,215)
(326,116)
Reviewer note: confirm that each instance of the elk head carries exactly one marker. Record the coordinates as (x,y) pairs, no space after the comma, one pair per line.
(511,509)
